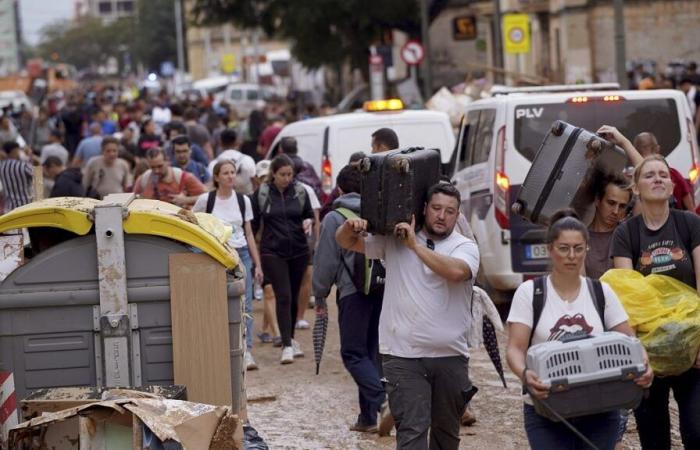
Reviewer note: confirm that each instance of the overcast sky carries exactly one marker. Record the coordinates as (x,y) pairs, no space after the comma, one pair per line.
(37,13)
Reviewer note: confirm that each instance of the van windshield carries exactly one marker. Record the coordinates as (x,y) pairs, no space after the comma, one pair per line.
(631,117)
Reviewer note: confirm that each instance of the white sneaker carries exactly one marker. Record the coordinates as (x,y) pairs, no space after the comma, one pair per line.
(250,363)
(298,352)
(287,355)
(302,325)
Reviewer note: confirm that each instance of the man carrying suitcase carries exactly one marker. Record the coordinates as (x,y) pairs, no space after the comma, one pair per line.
(424,319)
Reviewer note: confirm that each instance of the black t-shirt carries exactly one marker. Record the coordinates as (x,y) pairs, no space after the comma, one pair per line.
(661,251)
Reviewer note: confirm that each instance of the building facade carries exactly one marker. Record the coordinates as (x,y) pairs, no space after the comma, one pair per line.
(570,40)
(110,10)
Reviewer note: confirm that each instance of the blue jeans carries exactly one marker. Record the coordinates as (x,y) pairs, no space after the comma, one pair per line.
(358,320)
(652,416)
(247,262)
(544,434)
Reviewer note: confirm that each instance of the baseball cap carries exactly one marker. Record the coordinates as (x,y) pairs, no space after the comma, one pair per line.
(262,168)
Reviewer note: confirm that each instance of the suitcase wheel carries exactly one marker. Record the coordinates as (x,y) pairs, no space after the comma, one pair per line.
(593,148)
(404,166)
(558,128)
(365,165)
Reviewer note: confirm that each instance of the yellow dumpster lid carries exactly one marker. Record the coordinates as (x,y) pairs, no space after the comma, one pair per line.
(164,219)
(68,213)
(153,217)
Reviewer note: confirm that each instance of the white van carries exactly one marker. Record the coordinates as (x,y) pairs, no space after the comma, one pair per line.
(499,137)
(327,142)
(245,97)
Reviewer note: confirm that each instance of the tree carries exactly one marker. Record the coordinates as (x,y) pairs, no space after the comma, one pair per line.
(322,32)
(155,33)
(149,37)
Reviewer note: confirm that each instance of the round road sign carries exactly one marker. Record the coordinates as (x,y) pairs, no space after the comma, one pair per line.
(516,35)
(412,53)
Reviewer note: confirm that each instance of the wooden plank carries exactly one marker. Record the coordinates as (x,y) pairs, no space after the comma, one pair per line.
(38,183)
(199,313)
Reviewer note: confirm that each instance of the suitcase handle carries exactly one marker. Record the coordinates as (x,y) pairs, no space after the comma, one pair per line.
(411,150)
(578,336)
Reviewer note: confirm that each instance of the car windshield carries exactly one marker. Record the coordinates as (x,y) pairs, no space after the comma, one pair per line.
(631,117)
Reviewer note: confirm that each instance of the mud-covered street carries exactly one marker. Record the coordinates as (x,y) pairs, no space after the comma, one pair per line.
(314,412)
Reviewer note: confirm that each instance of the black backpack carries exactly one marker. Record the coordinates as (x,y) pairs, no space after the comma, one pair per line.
(211,199)
(539,297)
(368,275)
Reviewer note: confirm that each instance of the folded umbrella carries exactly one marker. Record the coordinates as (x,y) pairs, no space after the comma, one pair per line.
(320,330)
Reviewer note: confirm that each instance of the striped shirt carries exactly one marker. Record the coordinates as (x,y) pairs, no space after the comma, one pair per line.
(16,179)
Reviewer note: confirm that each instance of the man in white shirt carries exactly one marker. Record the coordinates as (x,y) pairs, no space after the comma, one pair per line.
(424,320)
(245,172)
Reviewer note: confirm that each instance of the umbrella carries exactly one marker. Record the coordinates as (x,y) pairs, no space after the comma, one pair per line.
(320,330)
(491,344)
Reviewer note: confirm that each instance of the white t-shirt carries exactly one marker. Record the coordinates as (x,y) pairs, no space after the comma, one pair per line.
(245,169)
(560,318)
(423,314)
(227,211)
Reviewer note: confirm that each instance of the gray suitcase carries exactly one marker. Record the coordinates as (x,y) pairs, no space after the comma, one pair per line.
(564,173)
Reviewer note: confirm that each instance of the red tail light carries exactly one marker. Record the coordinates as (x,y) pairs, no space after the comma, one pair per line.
(501,183)
(326,176)
(695,166)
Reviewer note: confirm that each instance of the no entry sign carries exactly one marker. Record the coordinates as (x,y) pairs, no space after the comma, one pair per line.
(412,53)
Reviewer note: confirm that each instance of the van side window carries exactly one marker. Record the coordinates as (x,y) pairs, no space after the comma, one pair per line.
(484,136)
(465,153)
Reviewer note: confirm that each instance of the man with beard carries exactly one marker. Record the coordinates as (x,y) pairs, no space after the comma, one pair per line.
(424,320)
(610,209)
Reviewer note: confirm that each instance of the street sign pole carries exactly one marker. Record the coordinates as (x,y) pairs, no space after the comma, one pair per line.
(425,34)
(498,42)
(620,51)
(376,74)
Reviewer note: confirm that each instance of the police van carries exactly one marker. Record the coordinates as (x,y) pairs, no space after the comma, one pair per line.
(327,142)
(500,136)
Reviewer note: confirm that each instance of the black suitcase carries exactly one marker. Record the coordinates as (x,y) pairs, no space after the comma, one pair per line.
(565,173)
(395,185)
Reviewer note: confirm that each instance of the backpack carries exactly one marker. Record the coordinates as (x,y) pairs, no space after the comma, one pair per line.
(368,275)
(264,196)
(634,230)
(178,173)
(539,297)
(211,199)
(307,175)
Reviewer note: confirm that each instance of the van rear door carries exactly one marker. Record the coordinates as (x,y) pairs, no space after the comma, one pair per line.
(532,121)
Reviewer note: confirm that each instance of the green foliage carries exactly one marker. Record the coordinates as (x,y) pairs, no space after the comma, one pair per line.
(149,37)
(322,32)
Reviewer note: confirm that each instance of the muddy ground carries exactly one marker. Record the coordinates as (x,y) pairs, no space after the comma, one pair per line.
(314,411)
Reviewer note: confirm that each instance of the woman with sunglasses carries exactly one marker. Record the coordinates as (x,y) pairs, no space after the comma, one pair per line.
(569,308)
(664,241)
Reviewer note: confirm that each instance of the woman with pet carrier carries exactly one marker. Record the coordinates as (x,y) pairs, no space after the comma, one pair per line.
(234,209)
(283,210)
(664,241)
(551,308)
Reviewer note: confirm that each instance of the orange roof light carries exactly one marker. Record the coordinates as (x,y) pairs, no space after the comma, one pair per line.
(611,98)
(579,100)
(392,104)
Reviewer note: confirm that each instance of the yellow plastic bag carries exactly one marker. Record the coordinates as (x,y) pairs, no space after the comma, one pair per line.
(666,315)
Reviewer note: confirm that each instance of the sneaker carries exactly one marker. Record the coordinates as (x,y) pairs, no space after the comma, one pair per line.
(298,352)
(265,337)
(312,302)
(277,341)
(386,420)
(287,355)
(250,363)
(302,325)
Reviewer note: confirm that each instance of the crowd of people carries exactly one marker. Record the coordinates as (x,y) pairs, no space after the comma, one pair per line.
(404,300)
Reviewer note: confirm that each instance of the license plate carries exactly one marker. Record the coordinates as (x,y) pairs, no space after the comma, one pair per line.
(536,251)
